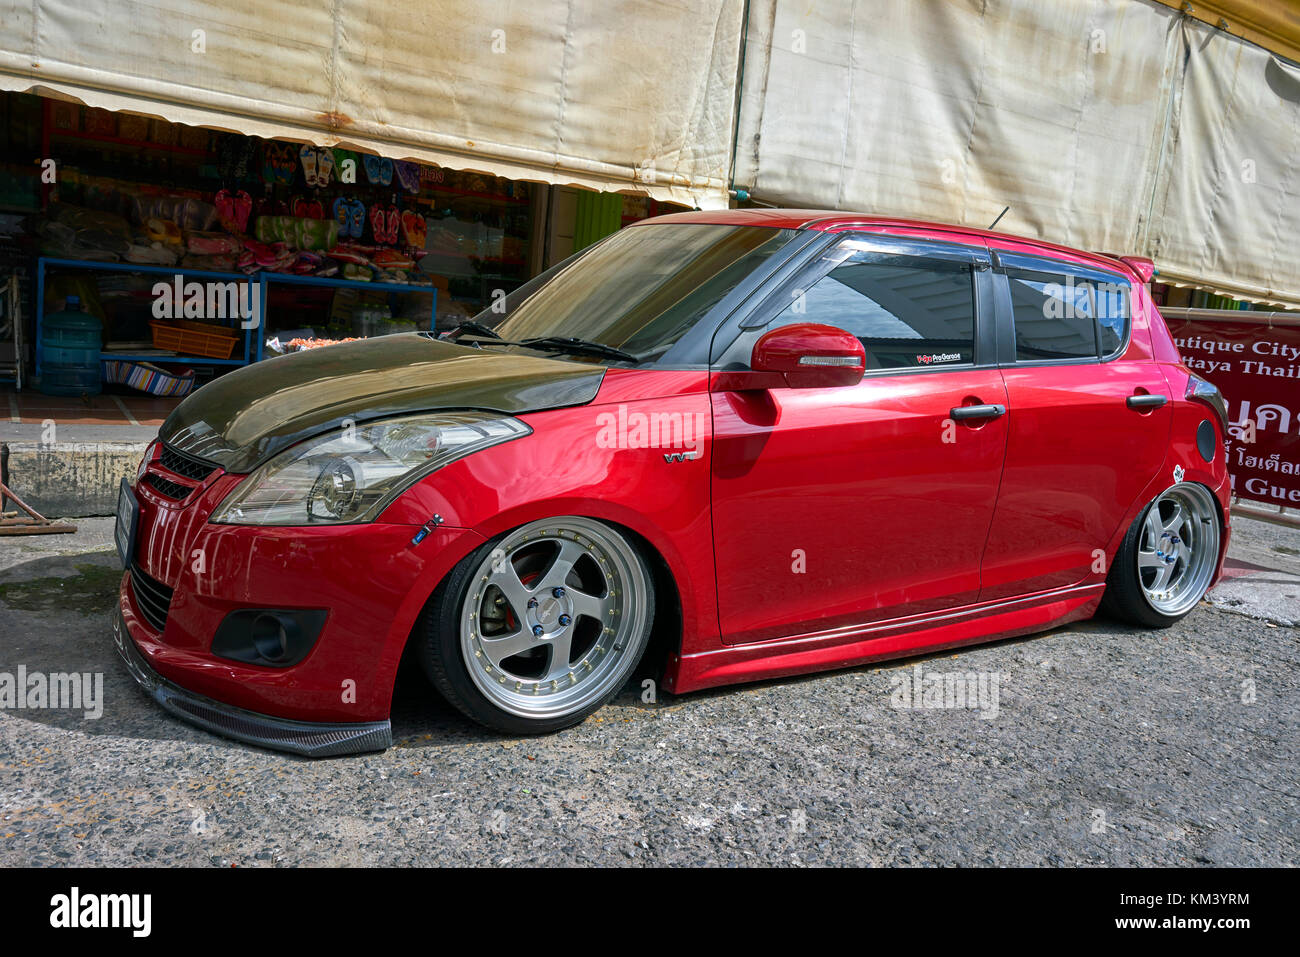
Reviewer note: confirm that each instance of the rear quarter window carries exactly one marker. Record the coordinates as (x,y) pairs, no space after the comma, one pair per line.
(1067,314)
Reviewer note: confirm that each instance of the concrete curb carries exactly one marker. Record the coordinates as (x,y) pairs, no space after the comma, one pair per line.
(72,479)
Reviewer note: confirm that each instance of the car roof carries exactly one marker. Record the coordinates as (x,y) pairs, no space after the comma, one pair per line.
(832,220)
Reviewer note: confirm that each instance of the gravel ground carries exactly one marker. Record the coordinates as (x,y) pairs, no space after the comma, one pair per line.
(1109,746)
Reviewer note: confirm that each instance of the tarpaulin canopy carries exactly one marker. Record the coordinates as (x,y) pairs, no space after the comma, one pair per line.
(1118,125)
(1227,205)
(1115,125)
(630,95)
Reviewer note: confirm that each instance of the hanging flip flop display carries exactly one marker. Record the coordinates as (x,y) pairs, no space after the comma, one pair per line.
(313,216)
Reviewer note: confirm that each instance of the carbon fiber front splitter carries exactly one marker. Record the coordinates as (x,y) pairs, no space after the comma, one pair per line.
(307,738)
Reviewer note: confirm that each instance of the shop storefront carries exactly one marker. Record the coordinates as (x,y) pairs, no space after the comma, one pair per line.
(198,250)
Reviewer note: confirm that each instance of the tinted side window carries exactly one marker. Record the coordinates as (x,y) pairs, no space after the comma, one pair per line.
(909,312)
(1112,300)
(1053,316)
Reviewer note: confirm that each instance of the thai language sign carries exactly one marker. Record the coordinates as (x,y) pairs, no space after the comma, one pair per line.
(1257,368)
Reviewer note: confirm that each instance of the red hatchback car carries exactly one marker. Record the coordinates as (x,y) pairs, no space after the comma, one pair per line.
(779,441)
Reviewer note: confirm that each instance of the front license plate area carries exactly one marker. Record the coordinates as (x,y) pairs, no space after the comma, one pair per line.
(128,519)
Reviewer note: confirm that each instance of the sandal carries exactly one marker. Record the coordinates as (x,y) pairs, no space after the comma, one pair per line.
(378,224)
(225,204)
(342,211)
(308,156)
(408,175)
(241,206)
(279,163)
(393,220)
(414,229)
(324,166)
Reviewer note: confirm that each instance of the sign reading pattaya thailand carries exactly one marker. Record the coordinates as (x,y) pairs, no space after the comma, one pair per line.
(1257,368)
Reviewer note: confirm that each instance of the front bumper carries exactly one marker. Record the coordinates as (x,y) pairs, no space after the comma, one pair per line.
(308,738)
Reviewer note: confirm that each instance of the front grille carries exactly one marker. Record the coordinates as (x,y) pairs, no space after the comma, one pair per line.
(184,465)
(167,487)
(152,597)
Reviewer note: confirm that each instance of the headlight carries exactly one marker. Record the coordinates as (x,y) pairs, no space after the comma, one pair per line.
(352,474)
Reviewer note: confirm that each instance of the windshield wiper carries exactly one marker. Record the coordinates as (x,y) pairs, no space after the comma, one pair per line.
(470,325)
(574,344)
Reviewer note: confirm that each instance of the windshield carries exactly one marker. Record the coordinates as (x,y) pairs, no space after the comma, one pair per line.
(641,289)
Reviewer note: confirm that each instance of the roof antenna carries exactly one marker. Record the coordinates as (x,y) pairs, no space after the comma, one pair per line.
(1000,215)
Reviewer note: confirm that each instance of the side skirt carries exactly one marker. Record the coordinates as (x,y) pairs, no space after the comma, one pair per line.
(877,641)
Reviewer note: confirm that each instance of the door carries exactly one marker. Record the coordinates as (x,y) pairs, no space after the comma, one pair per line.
(1089,424)
(835,507)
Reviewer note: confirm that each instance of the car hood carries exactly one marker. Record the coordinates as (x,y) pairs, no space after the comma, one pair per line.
(245,417)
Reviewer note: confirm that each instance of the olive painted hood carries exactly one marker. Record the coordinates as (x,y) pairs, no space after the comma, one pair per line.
(245,417)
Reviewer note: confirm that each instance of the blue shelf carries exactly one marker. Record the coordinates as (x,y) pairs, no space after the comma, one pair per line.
(140,267)
(295,279)
(253,343)
(46,262)
(190,360)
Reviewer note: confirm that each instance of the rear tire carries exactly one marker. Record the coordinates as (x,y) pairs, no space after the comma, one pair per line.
(541,626)
(1163,567)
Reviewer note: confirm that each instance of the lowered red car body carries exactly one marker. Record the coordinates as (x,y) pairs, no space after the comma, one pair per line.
(872,438)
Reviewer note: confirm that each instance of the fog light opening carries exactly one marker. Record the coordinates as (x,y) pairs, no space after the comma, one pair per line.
(273,636)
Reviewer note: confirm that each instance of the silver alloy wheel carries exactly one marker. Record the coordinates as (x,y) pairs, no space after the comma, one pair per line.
(1178,548)
(555,617)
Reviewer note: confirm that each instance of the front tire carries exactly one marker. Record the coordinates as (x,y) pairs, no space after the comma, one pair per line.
(1167,559)
(538,628)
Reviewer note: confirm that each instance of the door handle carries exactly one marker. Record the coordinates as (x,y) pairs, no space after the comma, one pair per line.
(977,412)
(1146,401)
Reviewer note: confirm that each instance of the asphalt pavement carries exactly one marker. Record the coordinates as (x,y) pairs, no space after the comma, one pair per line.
(1093,744)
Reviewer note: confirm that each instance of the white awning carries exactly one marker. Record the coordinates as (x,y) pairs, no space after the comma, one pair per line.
(1117,126)
(1226,211)
(634,96)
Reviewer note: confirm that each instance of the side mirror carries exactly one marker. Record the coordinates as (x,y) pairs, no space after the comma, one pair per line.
(810,356)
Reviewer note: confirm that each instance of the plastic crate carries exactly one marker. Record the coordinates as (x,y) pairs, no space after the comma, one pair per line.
(149,378)
(193,338)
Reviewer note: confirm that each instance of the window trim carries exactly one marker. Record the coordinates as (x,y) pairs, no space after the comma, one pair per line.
(820,263)
(1005,263)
